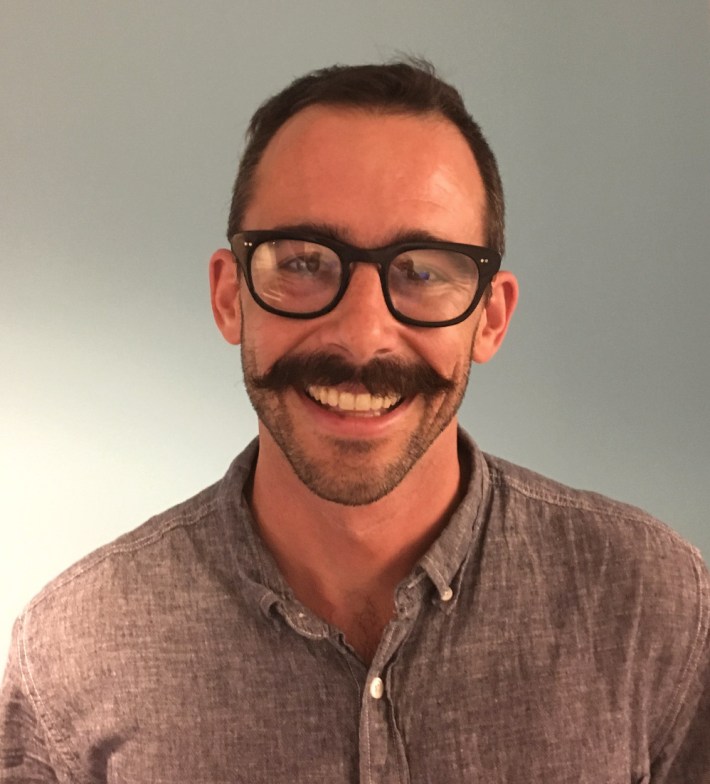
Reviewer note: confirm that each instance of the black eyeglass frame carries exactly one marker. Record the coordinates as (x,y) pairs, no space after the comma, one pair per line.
(487,261)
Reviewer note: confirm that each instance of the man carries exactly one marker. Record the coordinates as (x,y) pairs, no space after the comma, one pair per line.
(366,596)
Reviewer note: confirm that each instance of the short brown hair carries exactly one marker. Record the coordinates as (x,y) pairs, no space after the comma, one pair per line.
(408,86)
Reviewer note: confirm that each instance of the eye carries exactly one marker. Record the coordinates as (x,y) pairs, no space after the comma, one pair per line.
(298,259)
(304,264)
(414,271)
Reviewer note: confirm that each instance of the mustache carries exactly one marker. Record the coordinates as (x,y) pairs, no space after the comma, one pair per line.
(380,376)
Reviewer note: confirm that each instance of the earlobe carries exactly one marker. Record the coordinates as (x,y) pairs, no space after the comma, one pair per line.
(224,294)
(495,316)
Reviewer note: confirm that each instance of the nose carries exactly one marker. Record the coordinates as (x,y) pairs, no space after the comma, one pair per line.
(361,326)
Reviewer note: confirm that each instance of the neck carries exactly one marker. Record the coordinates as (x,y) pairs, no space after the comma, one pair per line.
(344,562)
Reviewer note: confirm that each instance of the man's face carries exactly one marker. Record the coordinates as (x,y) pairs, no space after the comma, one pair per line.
(370,178)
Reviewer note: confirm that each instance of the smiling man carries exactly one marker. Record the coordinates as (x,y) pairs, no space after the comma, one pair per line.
(366,596)
(357,404)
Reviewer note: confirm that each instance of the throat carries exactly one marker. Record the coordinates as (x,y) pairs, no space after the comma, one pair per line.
(362,620)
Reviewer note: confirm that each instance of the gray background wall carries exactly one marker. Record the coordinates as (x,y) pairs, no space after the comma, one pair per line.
(121,128)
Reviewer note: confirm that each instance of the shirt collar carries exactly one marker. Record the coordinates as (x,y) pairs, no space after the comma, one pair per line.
(441,563)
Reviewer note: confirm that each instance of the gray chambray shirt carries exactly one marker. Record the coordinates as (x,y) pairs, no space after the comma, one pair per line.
(548,636)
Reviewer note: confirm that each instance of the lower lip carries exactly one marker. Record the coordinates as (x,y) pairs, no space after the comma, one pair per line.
(353,424)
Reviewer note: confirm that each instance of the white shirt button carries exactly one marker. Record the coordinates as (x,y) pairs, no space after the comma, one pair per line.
(377,688)
(446,595)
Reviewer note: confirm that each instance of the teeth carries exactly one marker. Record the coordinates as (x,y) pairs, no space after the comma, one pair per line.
(346,401)
(350,401)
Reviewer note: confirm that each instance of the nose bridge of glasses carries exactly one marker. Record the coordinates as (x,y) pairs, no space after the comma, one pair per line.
(355,257)
(355,263)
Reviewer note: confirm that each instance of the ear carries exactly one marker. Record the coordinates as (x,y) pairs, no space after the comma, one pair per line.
(224,293)
(495,316)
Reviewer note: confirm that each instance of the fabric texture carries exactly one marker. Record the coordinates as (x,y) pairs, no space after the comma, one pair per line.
(549,635)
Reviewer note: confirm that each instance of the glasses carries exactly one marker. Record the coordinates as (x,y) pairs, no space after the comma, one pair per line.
(425,284)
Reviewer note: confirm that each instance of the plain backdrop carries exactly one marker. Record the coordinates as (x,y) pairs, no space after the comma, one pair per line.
(121,127)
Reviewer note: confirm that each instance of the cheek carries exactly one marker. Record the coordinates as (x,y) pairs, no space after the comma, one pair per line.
(267,338)
(449,352)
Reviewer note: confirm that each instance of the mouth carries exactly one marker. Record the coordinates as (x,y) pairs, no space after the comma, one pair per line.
(346,401)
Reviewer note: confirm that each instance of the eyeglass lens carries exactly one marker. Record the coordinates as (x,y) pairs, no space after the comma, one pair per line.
(298,276)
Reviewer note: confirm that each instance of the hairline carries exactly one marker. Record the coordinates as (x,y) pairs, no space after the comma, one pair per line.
(373,109)
(409,86)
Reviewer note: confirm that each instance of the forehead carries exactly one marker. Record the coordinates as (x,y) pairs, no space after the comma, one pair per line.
(371,174)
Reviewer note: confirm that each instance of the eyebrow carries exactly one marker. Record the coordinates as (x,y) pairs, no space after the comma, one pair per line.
(340,234)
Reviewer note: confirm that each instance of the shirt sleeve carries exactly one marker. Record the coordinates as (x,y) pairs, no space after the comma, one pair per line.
(23,751)
(685,756)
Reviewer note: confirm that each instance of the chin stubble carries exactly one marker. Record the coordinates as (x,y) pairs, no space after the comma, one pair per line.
(342,476)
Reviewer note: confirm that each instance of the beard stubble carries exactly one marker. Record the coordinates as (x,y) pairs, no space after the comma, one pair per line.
(341,472)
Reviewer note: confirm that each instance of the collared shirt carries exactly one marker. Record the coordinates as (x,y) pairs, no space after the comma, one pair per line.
(549,635)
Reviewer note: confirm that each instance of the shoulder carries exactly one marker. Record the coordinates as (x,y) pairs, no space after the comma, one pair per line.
(165,537)
(147,572)
(121,560)
(527,499)
(631,591)
(588,553)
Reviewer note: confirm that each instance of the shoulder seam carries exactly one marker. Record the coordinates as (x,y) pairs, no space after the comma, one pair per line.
(170,524)
(34,696)
(622,511)
(33,692)
(692,664)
